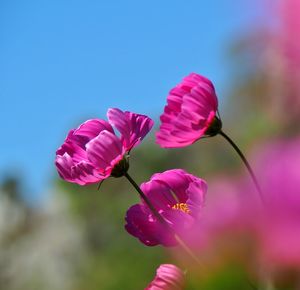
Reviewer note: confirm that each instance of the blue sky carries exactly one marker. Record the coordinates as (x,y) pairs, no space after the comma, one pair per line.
(62,62)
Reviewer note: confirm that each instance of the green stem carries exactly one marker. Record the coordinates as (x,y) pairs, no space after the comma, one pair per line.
(146,200)
(242,156)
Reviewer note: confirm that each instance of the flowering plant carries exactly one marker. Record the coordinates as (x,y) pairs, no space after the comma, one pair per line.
(93,151)
(173,211)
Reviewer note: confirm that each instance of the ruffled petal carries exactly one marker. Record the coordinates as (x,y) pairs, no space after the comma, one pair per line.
(191,108)
(187,189)
(177,196)
(105,151)
(196,193)
(76,152)
(89,130)
(84,173)
(159,195)
(168,277)
(180,222)
(140,225)
(81,173)
(133,127)
(64,164)
(166,140)
(177,181)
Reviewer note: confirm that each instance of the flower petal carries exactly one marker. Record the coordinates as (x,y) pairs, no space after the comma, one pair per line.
(81,173)
(141,226)
(85,173)
(176,180)
(159,195)
(168,277)
(105,151)
(133,127)
(191,108)
(196,193)
(73,150)
(170,193)
(89,130)
(64,164)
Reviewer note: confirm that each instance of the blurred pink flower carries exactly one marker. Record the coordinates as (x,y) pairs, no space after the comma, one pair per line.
(178,196)
(93,151)
(279,231)
(168,277)
(189,114)
(263,236)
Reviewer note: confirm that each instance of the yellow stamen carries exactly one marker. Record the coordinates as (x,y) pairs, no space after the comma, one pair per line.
(181,206)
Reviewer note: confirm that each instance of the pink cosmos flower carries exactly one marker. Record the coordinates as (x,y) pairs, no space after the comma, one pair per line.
(93,151)
(279,231)
(239,228)
(178,196)
(168,277)
(190,113)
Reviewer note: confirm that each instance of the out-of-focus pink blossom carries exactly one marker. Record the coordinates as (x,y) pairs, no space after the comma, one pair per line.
(190,112)
(168,277)
(265,236)
(279,231)
(93,151)
(178,196)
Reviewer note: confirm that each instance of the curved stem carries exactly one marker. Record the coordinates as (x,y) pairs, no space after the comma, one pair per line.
(242,156)
(184,246)
(161,219)
(146,200)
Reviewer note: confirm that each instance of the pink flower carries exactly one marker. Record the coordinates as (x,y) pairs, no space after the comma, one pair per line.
(168,277)
(178,196)
(279,231)
(190,113)
(238,226)
(93,151)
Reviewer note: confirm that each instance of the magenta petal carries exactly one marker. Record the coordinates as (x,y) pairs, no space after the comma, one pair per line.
(81,173)
(177,180)
(171,193)
(168,277)
(84,173)
(190,110)
(133,127)
(173,177)
(180,222)
(159,194)
(104,151)
(90,129)
(196,192)
(139,225)
(140,126)
(64,164)
(73,150)
(119,119)
(167,140)
(91,152)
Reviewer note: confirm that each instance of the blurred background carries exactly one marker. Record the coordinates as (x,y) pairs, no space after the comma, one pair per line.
(62,62)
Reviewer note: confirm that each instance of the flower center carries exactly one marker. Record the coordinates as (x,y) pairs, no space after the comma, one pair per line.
(121,167)
(214,127)
(181,206)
